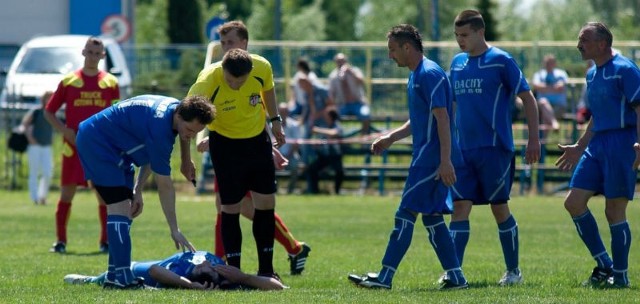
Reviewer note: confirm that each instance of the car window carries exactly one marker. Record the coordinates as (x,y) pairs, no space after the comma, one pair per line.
(51,60)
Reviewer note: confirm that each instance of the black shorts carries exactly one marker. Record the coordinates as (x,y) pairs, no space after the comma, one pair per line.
(242,165)
(112,195)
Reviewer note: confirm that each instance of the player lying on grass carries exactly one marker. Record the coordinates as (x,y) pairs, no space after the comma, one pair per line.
(192,270)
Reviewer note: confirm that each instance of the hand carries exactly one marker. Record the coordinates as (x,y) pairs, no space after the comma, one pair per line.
(279,160)
(205,286)
(636,163)
(137,204)
(203,145)
(571,155)
(446,173)
(70,135)
(276,130)
(188,170)
(181,241)
(380,144)
(532,152)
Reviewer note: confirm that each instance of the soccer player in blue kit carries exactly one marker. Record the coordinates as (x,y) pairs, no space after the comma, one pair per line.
(139,131)
(191,270)
(432,169)
(605,158)
(485,80)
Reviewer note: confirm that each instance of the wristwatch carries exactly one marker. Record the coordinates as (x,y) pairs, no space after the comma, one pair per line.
(276,118)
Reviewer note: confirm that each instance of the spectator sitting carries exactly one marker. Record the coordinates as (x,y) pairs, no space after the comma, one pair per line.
(549,84)
(328,154)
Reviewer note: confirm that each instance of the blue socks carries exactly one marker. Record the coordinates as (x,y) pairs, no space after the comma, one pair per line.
(442,244)
(508,233)
(460,232)
(119,269)
(588,231)
(620,245)
(398,245)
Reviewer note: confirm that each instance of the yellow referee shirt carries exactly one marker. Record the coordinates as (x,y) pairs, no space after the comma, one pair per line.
(239,113)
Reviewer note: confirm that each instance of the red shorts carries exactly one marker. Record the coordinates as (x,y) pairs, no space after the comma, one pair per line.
(72,173)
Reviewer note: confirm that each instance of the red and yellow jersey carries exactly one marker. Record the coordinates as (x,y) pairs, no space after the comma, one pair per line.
(84,96)
(239,113)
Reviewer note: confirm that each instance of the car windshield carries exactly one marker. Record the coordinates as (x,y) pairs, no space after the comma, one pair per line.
(51,60)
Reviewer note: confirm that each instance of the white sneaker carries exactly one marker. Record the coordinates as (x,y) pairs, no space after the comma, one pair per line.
(77,279)
(442,278)
(511,277)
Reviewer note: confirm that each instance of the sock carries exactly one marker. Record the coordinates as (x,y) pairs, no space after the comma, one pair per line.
(399,242)
(588,230)
(231,237)
(460,232)
(119,270)
(102,212)
(620,245)
(508,233)
(264,226)
(440,239)
(219,247)
(285,238)
(63,212)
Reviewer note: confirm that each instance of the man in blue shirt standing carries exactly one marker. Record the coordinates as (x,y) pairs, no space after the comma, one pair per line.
(485,80)
(140,131)
(605,158)
(431,173)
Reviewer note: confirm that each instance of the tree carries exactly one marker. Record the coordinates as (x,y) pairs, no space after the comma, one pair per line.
(487,9)
(340,19)
(185,21)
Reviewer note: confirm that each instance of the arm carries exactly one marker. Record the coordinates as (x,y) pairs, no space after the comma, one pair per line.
(532,154)
(636,146)
(446,171)
(27,126)
(272,110)
(331,132)
(137,204)
(236,276)
(385,141)
(168,201)
(67,133)
(169,278)
(187,167)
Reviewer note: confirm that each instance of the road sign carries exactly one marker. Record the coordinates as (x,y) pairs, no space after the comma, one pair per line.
(211,30)
(116,27)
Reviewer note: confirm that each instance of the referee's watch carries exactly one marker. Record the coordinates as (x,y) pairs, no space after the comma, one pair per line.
(276,118)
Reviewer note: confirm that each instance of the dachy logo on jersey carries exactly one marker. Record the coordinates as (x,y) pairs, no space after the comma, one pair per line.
(468,86)
(254,99)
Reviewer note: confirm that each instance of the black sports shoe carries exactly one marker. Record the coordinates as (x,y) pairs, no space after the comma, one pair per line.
(137,283)
(447,284)
(104,248)
(298,261)
(58,247)
(370,280)
(599,277)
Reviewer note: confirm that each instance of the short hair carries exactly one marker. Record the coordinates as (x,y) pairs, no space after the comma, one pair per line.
(237,62)
(93,40)
(548,58)
(196,107)
(601,30)
(303,64)
(204,278)
(406,33)
(471,17)
(236,25)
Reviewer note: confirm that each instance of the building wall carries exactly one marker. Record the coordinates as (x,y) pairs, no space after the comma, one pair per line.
(21,20)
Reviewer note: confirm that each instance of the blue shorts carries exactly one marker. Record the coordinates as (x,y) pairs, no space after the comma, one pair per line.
(358,109)
(606,165)
(486,177)
(422,193)
(102,165)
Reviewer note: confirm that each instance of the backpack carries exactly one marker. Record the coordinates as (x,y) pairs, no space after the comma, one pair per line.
(18,141)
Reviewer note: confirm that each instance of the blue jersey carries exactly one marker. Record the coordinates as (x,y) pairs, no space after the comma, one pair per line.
(429,88)
(138,130)
(612,89)
(484,87)
(180,263)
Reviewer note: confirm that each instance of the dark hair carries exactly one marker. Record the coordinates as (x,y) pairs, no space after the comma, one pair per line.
(203,278)
(196,107)
(303,64)
(472,17)
(237,62)
(406,33)
(236,25)
(601,30)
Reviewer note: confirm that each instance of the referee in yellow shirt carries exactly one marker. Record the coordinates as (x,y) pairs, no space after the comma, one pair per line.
(240,148)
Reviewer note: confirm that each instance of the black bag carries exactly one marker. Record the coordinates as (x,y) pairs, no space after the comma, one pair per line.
(18,141)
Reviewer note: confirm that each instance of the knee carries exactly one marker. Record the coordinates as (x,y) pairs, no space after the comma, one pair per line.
(461,210)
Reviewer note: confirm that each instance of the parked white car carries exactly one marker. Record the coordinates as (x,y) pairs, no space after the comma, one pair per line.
(41,63)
